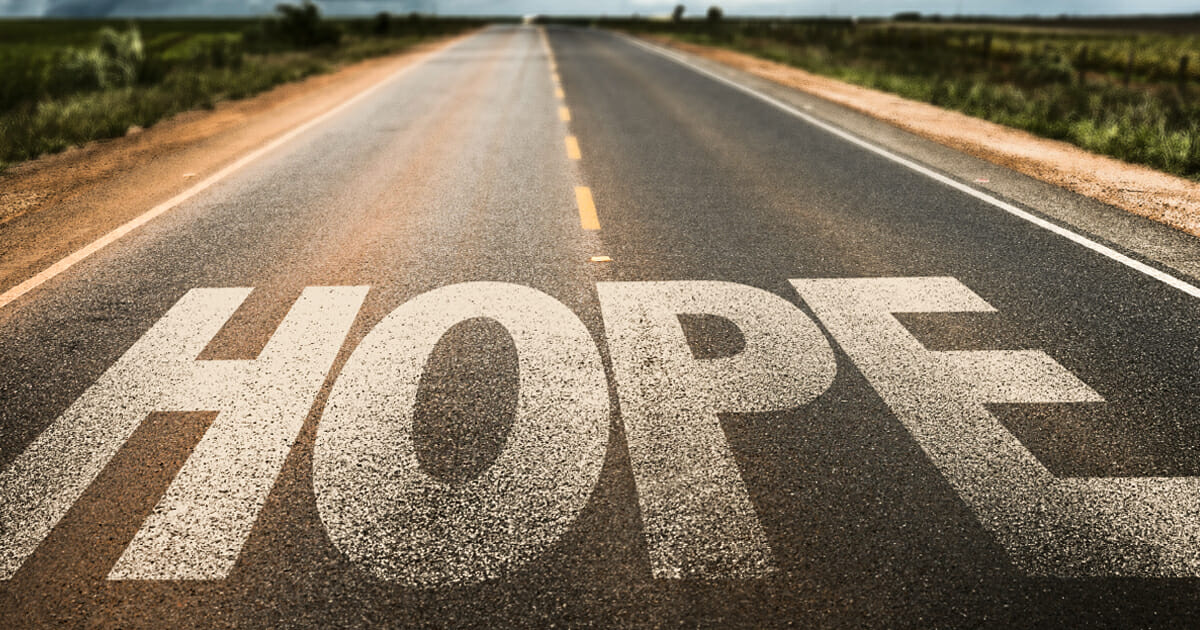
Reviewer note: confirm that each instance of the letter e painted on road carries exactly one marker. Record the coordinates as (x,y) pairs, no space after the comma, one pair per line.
(1082,526)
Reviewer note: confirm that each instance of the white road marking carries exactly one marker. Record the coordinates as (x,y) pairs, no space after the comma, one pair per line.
(1072,236)
(1050,526)
(57,268)
(698,517)
(160,373)
(198,528)
(390,517)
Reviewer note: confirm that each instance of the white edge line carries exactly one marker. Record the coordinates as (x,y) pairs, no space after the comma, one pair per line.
(1099,248)
(62,265)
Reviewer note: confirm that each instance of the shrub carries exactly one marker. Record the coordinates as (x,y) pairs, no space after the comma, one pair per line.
(123,54)
(1047,67)
(214,50)
(116,62)
(1029,79)
(80,70)
(86,84)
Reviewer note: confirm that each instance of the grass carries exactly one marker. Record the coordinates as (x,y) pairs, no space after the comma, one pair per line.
(67,82)
(1130,95)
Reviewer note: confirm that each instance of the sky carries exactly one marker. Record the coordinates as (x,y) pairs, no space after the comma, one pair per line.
(600,7)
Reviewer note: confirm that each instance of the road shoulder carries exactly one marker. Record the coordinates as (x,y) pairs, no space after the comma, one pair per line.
(1146,213)
(56,204)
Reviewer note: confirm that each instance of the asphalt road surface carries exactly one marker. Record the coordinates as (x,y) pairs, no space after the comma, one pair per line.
(553,329)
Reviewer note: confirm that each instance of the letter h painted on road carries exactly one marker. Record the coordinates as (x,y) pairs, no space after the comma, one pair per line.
(198,528)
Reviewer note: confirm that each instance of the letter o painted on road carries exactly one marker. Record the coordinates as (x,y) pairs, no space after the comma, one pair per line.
(394,520)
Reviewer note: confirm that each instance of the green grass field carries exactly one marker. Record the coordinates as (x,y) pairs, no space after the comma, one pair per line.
(67,82)
(1131,94)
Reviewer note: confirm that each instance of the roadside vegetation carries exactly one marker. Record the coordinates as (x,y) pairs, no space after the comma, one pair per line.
(67,82)
(1128,90)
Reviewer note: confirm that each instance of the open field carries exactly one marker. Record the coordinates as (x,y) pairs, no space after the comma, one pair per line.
(1127,93)
(67,82)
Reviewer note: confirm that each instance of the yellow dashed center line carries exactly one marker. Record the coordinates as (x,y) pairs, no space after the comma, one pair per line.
(588,219)
(587,208)
(573,148)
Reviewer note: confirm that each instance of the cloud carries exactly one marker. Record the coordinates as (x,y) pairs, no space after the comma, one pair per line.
(23,7)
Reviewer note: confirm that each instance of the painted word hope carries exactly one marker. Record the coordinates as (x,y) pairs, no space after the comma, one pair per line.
(391,518)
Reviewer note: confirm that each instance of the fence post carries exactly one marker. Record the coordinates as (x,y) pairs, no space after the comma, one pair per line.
(1183,67)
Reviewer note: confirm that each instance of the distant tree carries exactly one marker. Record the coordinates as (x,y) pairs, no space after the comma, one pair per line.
(715,13)
(302,25)
(677,14)
(416,24)
(383,23)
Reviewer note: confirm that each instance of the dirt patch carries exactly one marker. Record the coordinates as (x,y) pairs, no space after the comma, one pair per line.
(110,180)
(1165,198)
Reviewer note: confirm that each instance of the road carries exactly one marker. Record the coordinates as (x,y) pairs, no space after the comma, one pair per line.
(552,329)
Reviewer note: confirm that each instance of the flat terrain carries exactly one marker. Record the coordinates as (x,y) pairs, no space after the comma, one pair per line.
(1128,91)
(722,365)
(67,82)
(1141,190)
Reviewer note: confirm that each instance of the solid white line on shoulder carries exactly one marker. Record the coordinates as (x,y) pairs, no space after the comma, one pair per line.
(62,265)
(1099,248)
